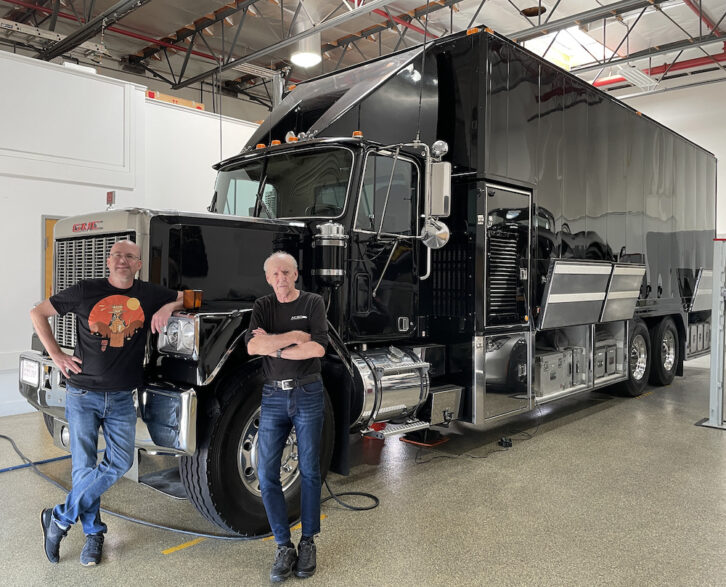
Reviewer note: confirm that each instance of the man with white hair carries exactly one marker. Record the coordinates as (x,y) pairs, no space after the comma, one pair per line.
(113,316)
(289,330)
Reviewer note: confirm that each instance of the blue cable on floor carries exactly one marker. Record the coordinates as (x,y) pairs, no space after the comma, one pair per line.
(34,463)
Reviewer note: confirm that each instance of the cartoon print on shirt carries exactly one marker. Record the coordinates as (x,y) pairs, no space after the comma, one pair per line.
(116,319)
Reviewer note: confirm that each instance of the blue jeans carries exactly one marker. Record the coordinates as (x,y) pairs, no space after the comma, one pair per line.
(302,407)
(86,411)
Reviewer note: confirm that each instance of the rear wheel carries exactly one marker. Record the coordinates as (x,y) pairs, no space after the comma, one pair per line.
(665,352)
(639,359)
(221,477)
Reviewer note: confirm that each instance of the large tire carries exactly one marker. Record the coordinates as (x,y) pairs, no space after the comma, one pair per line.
(639,359)
(664,345)
(221,477)
(48,423)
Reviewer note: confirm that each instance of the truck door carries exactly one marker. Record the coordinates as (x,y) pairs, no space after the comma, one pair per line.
(508,340)
(384,289)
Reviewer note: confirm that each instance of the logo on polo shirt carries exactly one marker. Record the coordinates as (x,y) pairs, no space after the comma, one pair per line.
(299,317)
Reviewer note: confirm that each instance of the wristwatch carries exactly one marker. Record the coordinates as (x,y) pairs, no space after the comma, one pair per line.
(279,353)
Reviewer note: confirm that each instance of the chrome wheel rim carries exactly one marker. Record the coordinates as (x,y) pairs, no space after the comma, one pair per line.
(247,455)
(638,357)
(668,350)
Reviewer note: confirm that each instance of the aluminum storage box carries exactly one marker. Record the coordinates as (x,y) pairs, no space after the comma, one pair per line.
(693,338)
(579,365)
(706,335)
(699,337)
(600,358)
(611,359)
(552,372)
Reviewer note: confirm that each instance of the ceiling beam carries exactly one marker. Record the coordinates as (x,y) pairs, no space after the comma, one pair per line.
(197,27)
(91,28)
(648,53)
(582,18)
(330,23)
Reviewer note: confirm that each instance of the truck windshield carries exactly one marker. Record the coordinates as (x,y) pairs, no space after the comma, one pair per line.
(293,184)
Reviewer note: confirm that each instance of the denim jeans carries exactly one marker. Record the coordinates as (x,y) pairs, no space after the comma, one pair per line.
(86,411)
(302,407)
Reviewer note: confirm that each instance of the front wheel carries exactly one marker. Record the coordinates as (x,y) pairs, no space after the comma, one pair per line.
(221,477)
(665,352)
(639,359)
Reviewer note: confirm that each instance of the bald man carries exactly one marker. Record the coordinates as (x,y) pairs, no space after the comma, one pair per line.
(113,316)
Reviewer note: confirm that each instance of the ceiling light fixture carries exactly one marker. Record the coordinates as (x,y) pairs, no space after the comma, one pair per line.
(307,52)
(636,77)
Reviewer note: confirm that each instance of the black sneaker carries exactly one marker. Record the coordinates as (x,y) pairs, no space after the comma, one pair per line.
(52,535)
(285,558)
(306,564)
(92,550)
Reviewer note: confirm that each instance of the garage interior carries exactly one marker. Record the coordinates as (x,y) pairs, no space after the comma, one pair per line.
(595,488)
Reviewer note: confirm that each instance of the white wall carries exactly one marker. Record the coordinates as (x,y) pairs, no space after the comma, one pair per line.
(698,114)
(181,149)
(67,138)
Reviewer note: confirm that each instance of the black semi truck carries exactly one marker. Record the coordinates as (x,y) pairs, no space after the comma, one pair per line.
(489,233)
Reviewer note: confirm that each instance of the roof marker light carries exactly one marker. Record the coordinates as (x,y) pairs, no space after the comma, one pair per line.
(472,31)
(358,134)
(260,146)
(275,143)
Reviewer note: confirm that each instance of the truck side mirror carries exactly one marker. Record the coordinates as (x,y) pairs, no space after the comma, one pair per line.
(439,190)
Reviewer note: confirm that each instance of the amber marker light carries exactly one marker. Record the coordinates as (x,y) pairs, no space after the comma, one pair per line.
(357,134)
(291,88)
(275,143)
(192,299)
(473,31)
(260,146)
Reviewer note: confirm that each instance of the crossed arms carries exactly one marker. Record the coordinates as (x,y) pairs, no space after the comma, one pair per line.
(296,345)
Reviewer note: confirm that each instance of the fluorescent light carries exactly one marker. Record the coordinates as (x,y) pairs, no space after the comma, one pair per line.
(636,77)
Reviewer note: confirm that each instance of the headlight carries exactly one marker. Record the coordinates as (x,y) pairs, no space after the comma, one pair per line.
(187,336)
(180,337)
(29,372)
(172,333)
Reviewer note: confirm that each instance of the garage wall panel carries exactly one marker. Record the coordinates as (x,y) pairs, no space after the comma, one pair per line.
(65,125)
(181,147)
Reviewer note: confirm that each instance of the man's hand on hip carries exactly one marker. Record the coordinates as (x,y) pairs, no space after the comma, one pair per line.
(66,363)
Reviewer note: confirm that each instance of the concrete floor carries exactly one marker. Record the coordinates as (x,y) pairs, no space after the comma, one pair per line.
(608,491)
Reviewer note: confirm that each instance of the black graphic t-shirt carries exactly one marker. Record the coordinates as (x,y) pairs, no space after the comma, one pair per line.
(111,327)
(306,313)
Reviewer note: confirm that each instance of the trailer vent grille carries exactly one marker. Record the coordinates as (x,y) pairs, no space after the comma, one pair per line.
(76,259)
(503,275)
(449,281)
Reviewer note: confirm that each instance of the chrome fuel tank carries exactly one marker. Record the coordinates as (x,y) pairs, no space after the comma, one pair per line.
(394,381)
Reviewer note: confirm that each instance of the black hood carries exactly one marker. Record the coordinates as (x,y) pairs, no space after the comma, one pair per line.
(221,255)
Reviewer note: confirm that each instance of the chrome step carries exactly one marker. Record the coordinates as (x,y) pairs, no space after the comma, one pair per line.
(393,429)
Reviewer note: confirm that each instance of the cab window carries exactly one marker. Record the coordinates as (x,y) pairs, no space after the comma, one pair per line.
(399,214)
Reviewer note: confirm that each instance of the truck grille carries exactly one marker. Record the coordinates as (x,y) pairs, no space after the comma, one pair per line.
(76,259)
(503,276)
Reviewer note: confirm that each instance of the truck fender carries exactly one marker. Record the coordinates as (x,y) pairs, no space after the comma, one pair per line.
(220,336)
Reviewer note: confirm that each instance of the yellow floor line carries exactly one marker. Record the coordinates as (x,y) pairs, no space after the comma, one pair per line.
(295,527)
(182,546)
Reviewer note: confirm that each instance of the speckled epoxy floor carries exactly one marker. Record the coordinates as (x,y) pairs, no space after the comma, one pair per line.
(608,491)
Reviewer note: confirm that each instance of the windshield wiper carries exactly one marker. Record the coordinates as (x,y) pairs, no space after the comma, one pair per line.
(260,203)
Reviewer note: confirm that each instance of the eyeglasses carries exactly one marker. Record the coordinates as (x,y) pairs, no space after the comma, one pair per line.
(128,256)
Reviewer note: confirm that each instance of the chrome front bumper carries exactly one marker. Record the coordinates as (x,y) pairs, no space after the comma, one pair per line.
(166,416)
